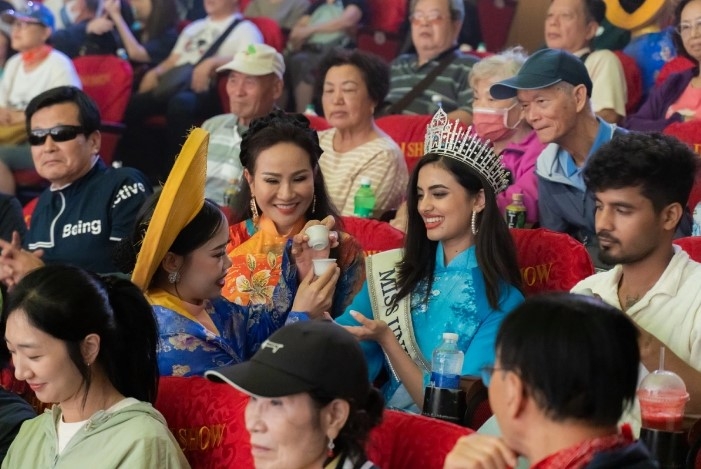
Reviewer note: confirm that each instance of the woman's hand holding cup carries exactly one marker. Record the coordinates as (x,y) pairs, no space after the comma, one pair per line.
(315,294)
(315,241)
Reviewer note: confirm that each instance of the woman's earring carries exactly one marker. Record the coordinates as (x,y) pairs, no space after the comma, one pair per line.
(330,446)
(254,209)
(174,277)
(313,203)
(474,223)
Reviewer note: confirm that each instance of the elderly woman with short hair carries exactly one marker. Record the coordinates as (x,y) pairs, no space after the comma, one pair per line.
(502,123)
(311,404)
(355,83)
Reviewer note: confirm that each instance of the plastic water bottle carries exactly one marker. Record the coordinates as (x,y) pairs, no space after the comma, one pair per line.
(516,212)
(446,365)
(364,200)
(696,228)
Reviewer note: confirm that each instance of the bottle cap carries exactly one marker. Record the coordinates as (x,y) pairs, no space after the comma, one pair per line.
(450,336)
(365,181)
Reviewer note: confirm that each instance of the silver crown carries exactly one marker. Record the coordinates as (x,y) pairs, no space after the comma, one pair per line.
(451,139)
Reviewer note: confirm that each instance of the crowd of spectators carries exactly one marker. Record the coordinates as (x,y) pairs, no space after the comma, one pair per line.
(219,259)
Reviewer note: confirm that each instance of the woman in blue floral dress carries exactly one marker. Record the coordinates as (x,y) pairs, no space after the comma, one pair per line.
(457,272)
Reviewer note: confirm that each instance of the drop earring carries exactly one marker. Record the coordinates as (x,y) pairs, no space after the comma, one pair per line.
(254,210)
(330,447)
(174,277)
(314,203)
(474,223)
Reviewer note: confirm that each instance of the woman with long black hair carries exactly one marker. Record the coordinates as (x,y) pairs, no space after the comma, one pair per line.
(457,271)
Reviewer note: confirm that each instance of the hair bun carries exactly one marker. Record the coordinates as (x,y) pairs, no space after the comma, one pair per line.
(276,119)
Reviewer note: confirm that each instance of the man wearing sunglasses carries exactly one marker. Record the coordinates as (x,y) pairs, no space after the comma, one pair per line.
(88,207)
(566,368)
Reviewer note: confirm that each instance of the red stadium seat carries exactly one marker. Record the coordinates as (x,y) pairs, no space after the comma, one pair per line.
(677,64)
(373,235)
(272,34)
(409,133)
(107,80)
(550,261)
(408,441)
(634,81)
(692,246)
(318,123)
(207,420)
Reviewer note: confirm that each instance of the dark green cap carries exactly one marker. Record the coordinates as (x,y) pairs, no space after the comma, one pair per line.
(544,68)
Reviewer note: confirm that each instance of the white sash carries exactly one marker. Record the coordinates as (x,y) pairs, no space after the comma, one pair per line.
(381,271)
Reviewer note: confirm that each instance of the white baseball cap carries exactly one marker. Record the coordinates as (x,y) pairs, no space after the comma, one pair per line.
(256,60)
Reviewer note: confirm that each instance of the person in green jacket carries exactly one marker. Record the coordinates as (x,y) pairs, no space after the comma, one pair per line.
(13,409)
(88,344)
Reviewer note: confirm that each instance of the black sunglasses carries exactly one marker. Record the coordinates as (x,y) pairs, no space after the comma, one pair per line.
(60,133)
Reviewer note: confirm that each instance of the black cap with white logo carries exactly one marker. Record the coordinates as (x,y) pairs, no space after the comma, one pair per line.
(318,356)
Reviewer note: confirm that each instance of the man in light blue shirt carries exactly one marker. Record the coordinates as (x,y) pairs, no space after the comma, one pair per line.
(554,90)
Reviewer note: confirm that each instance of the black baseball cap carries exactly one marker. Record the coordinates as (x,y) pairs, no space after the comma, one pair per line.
(544,68)
(319,356)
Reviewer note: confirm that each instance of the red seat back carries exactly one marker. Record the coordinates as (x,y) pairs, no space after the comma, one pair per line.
(409,133)
(373,235)
(408,441)
(318,123)
(550,261)
(677,64)
(207,420)
(692,246)
(107,80)
(272,34)
(495,22)
(687,132)
(380,33)
(634,80)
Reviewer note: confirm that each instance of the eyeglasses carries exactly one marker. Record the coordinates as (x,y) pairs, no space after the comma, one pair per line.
(420,17)
(486,373)
(60,133)
(685,29)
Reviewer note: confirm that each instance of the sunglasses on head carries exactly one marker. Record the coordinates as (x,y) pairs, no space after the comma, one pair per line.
(60,133)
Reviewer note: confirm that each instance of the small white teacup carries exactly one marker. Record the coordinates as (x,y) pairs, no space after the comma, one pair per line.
(318,237)
(322,265)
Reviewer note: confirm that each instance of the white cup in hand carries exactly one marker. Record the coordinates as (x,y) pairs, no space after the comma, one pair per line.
(318,237)
(322,265)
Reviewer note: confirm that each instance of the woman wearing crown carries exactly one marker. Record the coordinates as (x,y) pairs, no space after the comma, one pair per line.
(456,273)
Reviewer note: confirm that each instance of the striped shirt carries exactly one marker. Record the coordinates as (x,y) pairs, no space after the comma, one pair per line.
(380,159)
(224,167)
(451,85)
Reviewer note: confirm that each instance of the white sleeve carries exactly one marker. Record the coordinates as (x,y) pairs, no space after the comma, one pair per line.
(608,80)
(7,76)
(63,72)
(244,34)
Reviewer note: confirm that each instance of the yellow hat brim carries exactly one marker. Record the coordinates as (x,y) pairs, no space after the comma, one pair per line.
(181,199)
(617,16)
